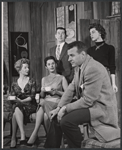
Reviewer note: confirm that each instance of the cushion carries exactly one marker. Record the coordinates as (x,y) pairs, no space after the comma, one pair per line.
(7,109)
(7,116)
(7,106)
(93,143)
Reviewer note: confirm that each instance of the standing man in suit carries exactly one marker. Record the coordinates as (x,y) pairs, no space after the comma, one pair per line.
(96,104)
(60,53)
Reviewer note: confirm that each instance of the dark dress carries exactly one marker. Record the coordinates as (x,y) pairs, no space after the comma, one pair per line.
(105,54)
(27,108)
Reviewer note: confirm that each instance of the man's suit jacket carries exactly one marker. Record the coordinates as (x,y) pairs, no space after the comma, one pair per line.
(63,66)
(97,95)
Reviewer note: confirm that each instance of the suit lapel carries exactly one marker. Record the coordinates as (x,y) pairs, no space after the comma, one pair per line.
(80,82)
(54,52)
(77,80)
(64,48)
(77,77)
(83,68)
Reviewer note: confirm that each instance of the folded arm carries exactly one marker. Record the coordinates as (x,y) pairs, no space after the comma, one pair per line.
(92,86)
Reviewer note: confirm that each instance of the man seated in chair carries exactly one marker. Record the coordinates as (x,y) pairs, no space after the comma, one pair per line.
(96,103)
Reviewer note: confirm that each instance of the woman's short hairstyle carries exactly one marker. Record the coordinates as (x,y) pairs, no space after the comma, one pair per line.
(18,64)
(99,28)
(48,58)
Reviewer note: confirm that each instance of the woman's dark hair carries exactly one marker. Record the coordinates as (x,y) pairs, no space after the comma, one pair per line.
(48,58)
(99,28)
(18,64)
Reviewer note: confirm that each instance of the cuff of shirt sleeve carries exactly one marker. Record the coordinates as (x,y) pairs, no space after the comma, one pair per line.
(112,72)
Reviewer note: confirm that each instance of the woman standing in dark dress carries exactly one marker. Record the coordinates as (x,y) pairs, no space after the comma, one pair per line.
(24,90)
(103,52)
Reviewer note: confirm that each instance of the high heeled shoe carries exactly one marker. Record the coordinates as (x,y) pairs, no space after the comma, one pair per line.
(12,147)
(23,142)
(32,144)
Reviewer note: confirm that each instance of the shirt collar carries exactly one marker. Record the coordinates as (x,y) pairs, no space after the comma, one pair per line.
(61,45)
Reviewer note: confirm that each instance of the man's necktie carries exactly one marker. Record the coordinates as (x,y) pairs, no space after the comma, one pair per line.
(58,52)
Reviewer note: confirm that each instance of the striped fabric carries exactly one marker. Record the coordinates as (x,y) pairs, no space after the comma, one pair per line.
(92,143)
(58,52)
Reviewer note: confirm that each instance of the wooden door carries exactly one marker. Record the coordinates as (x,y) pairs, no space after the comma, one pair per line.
(48,28)
(112,28)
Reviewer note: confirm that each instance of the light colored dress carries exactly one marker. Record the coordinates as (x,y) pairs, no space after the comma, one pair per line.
(50,102)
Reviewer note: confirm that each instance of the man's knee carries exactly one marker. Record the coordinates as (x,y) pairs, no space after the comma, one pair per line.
(63,122)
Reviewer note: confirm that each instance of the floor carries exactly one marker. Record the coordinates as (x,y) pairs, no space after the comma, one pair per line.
(28,130)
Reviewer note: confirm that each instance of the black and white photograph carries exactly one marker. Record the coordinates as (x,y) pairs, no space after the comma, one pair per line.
(61,74)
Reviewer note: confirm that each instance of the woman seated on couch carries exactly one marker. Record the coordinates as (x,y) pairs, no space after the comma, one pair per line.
(53,87)
(24,90)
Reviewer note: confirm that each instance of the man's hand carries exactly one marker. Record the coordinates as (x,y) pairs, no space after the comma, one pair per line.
(53,113)
(61,113)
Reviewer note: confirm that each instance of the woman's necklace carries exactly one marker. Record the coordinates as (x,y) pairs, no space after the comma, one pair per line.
(97,47)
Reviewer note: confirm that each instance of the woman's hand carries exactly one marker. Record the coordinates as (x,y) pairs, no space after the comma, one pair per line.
(43,89)
(52,92)
(115,88)
(53,89)
(114,83)
(18,100)
(37,97)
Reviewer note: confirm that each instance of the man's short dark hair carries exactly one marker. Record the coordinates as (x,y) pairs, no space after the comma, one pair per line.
(48,58)
(99,28)
(61,28)
(80,46)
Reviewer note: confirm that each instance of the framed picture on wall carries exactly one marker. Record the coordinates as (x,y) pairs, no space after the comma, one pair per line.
(66,17)
(18,48)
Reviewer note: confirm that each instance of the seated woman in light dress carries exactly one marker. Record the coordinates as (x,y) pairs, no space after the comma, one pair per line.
(53,87)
